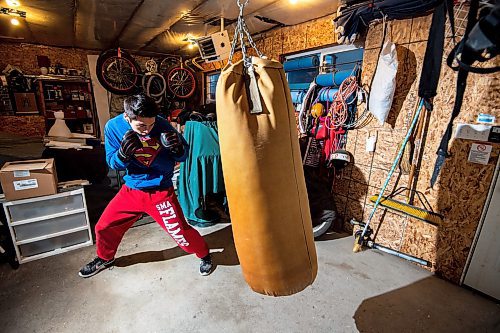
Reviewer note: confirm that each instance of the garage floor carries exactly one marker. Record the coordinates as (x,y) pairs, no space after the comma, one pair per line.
(155,287)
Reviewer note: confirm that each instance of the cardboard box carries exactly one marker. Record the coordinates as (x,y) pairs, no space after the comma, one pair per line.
(27,179)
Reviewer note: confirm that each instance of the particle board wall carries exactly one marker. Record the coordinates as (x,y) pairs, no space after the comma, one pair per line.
(462,188)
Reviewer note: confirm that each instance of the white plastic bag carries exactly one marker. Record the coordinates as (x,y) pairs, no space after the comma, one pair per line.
(384,82)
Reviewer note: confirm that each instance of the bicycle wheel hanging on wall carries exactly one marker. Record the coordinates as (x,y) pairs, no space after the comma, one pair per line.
(154,85)
(118,72)
(181,82)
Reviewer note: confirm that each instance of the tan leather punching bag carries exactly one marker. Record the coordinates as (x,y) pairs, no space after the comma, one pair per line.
(264,181)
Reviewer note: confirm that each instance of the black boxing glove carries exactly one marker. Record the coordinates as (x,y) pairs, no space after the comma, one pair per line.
(130,143)
(172,142)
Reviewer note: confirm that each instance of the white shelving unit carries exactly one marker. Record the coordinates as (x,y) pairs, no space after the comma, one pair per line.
(45,226)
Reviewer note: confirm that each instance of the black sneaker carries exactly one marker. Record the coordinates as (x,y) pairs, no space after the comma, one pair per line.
(95,266)
(206,265)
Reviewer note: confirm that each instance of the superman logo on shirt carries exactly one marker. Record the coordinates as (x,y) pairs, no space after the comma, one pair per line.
(150,149)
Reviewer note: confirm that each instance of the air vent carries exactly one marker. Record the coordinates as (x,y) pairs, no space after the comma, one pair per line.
(214,47)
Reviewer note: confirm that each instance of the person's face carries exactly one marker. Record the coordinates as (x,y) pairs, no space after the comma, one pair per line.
(141,125)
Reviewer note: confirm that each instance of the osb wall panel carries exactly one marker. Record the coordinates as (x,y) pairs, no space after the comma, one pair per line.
(273,44)
(23,126)
(462,188)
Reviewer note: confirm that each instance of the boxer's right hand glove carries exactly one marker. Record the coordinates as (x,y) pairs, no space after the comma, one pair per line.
(130,143)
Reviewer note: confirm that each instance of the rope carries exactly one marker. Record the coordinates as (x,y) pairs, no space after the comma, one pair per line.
(338,110)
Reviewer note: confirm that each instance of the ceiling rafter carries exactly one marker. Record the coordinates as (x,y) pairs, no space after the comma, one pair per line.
(173,24)
(164,31)
(116,41)
(179,49)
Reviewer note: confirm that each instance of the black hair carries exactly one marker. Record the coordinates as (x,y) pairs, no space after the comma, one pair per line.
(140,105)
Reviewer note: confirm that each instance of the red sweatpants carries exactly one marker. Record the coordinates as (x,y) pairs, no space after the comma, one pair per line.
(129,205)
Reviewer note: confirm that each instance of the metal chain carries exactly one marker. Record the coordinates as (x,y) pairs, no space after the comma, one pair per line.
(241,30)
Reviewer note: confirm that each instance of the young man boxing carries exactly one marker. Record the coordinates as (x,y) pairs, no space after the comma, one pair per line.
(147,147)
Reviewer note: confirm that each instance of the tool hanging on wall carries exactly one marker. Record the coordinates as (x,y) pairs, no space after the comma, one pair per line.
(417,150)
(424,214)
(473,45)
(362,237)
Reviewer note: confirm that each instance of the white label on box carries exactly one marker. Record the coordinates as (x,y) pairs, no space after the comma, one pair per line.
(480,153)
(21,173)
(25,184)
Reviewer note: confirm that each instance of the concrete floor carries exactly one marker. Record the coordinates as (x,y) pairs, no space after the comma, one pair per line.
(155,287)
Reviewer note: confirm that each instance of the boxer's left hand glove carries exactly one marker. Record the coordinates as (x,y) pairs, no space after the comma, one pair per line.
(172,142)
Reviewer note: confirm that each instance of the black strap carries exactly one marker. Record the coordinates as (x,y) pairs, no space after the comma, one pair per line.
(431,68)
(467,58)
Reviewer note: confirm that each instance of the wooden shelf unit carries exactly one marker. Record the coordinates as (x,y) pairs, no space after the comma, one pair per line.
(73,96)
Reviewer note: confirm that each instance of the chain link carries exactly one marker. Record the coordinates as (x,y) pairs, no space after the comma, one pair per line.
(240,32)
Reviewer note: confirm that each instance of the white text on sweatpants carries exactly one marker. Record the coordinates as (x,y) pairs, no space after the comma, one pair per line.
(173,227)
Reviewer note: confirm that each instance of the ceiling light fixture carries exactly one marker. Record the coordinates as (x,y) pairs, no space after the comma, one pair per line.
(14,21)
(191,40)
(13,12)
(13,3)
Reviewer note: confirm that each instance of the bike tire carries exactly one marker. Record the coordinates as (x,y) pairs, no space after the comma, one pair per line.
(147,81)
(322,228)
(125,79)
(181,82)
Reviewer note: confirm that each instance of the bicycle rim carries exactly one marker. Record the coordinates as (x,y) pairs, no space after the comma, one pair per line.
(119,74)
(181,82)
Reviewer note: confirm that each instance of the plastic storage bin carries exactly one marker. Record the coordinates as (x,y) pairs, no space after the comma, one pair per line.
(52,226)
(39,208)
(55,243)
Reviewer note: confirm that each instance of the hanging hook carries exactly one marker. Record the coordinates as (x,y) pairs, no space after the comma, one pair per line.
(241,5)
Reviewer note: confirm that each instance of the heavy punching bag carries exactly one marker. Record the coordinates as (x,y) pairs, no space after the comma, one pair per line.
(264,178)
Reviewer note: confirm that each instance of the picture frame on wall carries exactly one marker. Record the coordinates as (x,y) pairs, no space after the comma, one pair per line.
(26,103)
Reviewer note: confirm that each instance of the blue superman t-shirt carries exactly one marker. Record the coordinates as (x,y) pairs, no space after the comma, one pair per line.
(152,166)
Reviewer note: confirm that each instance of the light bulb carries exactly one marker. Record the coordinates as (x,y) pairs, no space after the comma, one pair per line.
(191,46)
(293,2)
(13,3)
(14,21)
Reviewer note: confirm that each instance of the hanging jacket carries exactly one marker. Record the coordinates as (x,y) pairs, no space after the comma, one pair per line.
(201,174)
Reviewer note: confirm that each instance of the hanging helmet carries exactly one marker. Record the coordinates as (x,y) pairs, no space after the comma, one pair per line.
(339,159)
(317,110)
